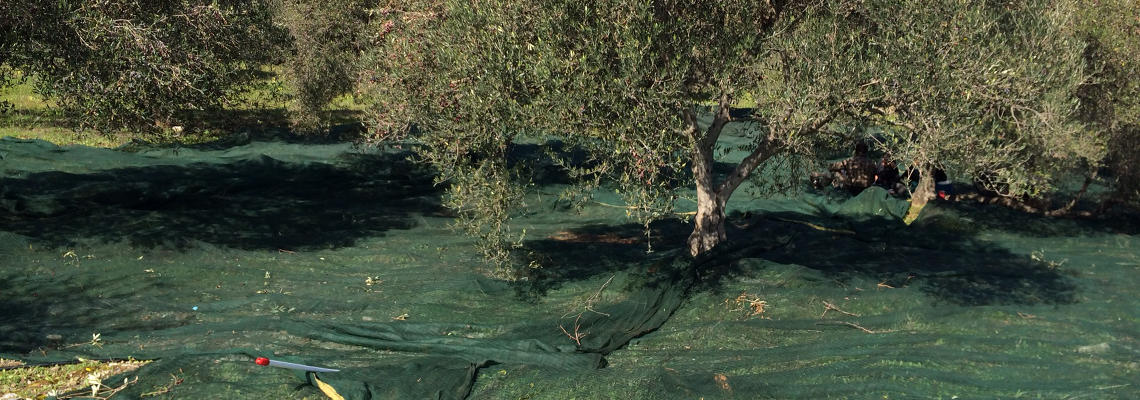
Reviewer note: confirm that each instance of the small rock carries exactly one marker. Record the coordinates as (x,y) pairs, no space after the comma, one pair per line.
(55,337)
(10,396)
(1094,348)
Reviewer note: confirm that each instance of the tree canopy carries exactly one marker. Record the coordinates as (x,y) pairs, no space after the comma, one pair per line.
(1110,99)
(325,38)
(981,88)
(117,63)
(621,80)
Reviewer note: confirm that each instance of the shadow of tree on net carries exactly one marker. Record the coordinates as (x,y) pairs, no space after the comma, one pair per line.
(1116,220)
(58,313)
(949,265)
(22,316)
(589,251)
(251,204)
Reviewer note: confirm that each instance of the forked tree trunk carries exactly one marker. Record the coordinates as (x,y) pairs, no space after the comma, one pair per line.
(709,223)
(708,229)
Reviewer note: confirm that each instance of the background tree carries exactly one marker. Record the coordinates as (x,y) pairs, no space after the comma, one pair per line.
(325,42)
(1110,99)
(143,65)
(981,89)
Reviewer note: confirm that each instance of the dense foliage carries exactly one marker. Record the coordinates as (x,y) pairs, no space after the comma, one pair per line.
(1110,100)
(986,90)
(325,41)
(143,65)
(983,90)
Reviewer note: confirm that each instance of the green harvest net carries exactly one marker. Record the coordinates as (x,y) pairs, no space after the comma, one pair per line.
(322,254)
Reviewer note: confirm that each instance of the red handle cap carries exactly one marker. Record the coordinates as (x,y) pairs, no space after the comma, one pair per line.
(261,361)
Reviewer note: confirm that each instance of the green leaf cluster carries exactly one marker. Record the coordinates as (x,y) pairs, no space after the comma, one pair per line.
(982,89)
(995,91)
(138,64)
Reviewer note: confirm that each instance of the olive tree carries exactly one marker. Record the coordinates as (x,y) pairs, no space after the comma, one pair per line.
(626,81)
(981,89)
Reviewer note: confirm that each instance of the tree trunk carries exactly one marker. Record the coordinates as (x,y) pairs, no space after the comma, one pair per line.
(708,230)
(1072,203)
(922,195)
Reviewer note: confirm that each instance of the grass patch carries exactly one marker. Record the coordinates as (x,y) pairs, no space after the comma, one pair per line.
(23,96)
(64,136)
(263,109)
(64,381)
(33,117)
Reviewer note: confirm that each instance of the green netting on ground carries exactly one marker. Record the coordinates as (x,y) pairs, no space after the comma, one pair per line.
(322,254)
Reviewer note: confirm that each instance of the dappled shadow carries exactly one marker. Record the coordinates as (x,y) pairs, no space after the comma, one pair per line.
(593,250)
(540,161)
(949,265)
(38,118)
(21,314)
(274,124)
(250,204)
(42,312)
(983,216)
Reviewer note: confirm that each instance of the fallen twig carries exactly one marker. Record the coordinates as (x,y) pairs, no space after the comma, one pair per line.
(853,325)
(577,335)
(753,304)
(829,307)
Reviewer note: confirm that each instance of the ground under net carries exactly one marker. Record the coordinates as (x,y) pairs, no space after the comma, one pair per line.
(327,255)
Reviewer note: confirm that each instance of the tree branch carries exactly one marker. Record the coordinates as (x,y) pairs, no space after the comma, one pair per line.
(762,153)
(691,128)
(744,169)
(1072,203)
(722,117)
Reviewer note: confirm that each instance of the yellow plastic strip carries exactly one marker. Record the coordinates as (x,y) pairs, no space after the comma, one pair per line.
(816,227)
(327,389)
